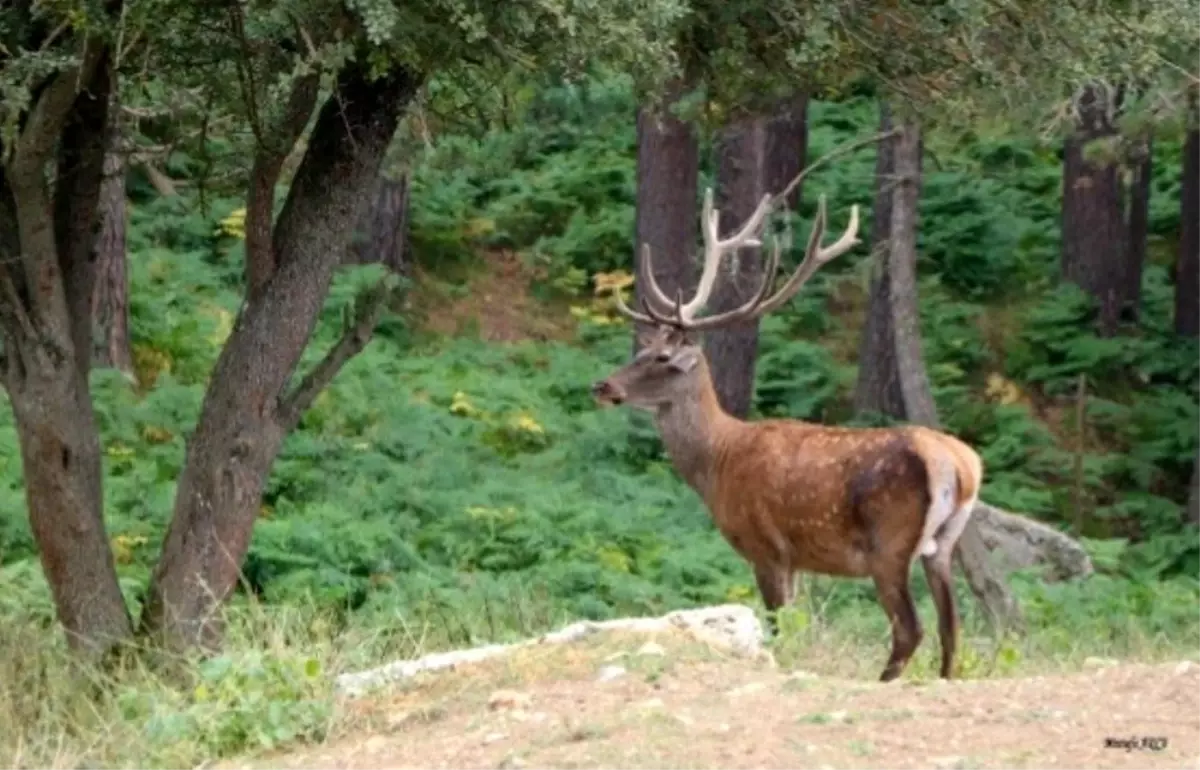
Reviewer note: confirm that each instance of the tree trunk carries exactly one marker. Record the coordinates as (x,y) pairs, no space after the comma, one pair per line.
(668,160)
(878,388)
(247,410)
(110,292)
(45,320)
(1093,221)
(755,156)
(915,391)
(787,148)
(1187,268)
(741,184)
(1142,163)
(383,227)
(911,388)
(60,455)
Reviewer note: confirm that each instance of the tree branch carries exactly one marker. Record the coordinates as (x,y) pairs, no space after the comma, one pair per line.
(15,328)
(76,195)
(836,152)
(162,184)
(268,162)
(357,333)
(25,168)
(49,114)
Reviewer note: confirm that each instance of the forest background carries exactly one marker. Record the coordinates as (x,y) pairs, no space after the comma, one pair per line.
(336,297)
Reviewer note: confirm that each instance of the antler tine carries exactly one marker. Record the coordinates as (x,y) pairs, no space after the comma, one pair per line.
(848,240)
(715,248)
(709,222)
(814,257)
(632,314)
(646,268)
(747,310)
(652,294)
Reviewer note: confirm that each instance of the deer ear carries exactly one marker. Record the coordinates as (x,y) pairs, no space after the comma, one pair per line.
(685,359)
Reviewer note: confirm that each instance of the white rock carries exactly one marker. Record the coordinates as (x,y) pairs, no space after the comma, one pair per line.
(733,627)
(1184,667)
(609,673)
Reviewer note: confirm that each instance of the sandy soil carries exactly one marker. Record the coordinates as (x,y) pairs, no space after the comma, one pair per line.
(625,702)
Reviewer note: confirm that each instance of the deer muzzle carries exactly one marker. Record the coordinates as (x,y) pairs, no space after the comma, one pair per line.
(607,393)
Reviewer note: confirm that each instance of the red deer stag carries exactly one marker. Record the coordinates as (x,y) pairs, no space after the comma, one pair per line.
(795,496)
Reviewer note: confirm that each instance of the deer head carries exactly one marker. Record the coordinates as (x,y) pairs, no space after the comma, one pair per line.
(670,365)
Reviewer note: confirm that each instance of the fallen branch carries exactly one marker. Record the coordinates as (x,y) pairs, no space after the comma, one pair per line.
(162,184)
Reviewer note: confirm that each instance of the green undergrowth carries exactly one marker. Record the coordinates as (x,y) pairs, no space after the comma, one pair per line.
(273,685)
(446,492)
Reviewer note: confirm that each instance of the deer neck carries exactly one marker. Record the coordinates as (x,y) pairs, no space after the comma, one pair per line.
(694,431)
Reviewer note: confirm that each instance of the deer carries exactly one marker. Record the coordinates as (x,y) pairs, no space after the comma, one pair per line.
(792,496)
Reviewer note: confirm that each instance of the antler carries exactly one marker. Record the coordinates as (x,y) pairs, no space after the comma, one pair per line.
(684,318)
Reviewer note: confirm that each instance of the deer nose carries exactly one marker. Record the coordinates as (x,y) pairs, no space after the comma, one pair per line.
(604,391)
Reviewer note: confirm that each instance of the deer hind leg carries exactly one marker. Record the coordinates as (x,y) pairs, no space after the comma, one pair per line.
(891,583)
(777,587)
(941,582)
(937,572)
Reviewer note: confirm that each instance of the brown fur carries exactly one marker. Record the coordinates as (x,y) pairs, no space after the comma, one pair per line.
(793,496)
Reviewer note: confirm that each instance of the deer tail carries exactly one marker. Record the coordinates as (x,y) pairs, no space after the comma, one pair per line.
(955,473)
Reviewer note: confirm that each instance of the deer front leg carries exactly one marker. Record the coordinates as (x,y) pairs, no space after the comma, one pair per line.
(777,588)
(892,585)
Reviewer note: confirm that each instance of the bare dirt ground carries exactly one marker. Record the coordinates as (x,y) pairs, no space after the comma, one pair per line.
(494,303)
(621,701)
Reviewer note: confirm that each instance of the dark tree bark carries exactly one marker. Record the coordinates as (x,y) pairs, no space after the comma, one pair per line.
(908,382)
(787,148)
(45,320)
(1187,268)
(1137,231)
(248,408)
(878,387)
(1093,220)
(382,229)
(755,156)
(741,183)
(915,391)
(110,292)
(668,162)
